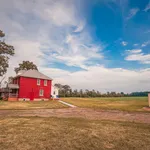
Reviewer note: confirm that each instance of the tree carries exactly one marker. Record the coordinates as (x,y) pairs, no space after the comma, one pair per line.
(10,79)
(75,93)
(70,93)
(5,51)
(26,65)
(81,92)
(59,86)
(66,89)
(98,94)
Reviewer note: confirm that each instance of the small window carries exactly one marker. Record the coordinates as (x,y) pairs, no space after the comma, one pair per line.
(38,81)
(41,93)
(45,82)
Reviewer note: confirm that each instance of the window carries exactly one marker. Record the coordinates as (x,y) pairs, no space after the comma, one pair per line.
(45,82)
(41,93)
(38,81)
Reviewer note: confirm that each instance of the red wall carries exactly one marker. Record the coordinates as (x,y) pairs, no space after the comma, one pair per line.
(29,85)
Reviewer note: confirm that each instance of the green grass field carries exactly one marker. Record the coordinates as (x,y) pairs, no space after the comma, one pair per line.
(121,103)
(36,133)
(31,105)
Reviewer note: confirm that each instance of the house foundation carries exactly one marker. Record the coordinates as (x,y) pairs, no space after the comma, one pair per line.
(12,99)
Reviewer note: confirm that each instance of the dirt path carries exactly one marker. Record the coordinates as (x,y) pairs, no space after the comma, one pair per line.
(81,112)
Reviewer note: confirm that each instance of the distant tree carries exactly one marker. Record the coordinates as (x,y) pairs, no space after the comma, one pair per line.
(81,93)
(10,79)
(75,93)
(122,93)
(26,65)
(59,86)
(66,89)
(5,51)
(94,94)
(70,93)
(139,93)
(98,94)
(113,94)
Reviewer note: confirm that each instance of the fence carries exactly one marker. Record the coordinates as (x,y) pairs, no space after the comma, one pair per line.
(13,95)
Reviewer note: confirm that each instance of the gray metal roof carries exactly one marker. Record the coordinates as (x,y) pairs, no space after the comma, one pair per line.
(34,74)
(13,86)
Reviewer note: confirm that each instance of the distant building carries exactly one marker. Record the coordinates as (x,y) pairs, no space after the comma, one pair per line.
(29,85)
(55,92)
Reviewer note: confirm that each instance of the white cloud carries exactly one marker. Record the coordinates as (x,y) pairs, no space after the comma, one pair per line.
(60,14)
(25,49)
(134,51)
(79,50)
(132,13)
(147,7)
(80,27)
(137,55)
(43,32)
(145,44)
(135,44)
(124,43)
(51,31)
(103,79)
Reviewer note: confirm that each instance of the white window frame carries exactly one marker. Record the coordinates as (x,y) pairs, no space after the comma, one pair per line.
(45,82)
(38,81)
(41,92)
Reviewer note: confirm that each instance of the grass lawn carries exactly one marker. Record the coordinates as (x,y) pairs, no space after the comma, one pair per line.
(31,105)
(35,133)
(122,103)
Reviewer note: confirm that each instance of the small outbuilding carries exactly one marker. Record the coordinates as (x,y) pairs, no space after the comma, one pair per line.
(55,92)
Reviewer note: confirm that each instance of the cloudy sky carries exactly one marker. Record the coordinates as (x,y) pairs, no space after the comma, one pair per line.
(89,44)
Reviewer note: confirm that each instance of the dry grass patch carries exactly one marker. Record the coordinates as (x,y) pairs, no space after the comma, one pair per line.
(31,105)
(122,103)
(34,133)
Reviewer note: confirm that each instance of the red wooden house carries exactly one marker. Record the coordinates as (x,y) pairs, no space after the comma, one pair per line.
(30,85)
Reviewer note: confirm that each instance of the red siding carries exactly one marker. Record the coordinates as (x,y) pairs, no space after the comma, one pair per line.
(29,85)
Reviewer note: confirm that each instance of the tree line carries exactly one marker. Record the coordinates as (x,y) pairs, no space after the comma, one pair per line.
(67,91)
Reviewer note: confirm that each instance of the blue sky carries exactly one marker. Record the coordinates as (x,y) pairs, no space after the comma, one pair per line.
(120,26)
(94,44)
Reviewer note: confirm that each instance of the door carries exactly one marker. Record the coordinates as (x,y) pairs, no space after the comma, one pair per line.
(31,96)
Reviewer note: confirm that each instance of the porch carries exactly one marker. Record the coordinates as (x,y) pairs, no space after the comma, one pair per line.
(10,93)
